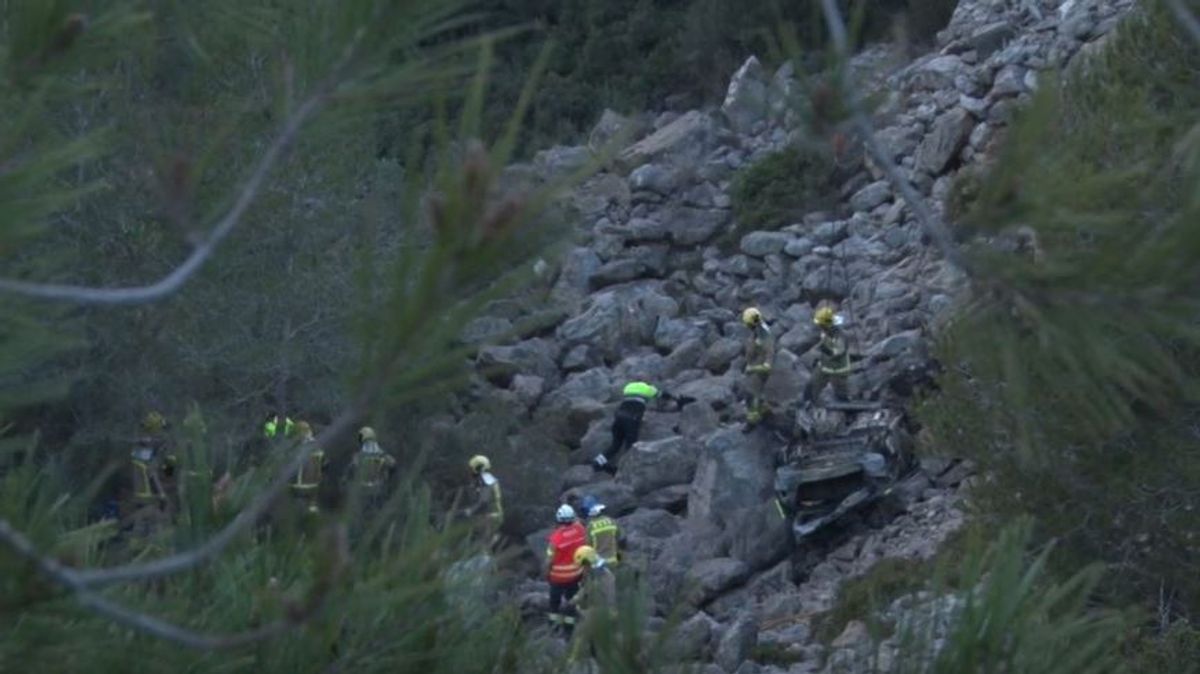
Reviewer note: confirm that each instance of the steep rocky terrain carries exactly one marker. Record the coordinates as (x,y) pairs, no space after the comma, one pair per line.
(646,293)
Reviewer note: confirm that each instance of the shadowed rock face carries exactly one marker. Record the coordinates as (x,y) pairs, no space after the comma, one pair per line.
(645,293)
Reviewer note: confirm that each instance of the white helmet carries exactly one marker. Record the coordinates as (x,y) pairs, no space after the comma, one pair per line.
(596,510)
(565,514)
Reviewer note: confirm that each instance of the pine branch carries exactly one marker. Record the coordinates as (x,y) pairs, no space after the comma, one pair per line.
(175,280)
(143,622)
(1186,18)
(933,226)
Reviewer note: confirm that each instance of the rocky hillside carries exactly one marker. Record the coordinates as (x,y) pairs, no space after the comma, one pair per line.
(646,293)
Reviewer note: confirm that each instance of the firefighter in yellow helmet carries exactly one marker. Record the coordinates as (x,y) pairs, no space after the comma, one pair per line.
(833,363)
(308,476)
(488,508)
(153,468)
(596,600)
(371,465)
(760,354)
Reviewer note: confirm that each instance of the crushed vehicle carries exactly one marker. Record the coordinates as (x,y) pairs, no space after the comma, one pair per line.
(845,456)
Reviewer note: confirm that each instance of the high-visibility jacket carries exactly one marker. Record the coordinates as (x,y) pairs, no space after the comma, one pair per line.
(371,464)
(271,427)
(835,355)
(489,500)
(145,468)
(308,477)
(564,541)
(760,347)
(602,535)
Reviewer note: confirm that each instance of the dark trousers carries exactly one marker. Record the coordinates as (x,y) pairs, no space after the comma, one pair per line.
(562,612)
(625,430)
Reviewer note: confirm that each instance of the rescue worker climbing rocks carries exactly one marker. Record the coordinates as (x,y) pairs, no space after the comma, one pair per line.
(760,354)
(308,476)
(833,364)
(371,465)
(562,570)
(488,509)
(627,422)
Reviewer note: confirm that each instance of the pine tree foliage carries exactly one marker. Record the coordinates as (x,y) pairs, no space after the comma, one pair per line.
(1072,368)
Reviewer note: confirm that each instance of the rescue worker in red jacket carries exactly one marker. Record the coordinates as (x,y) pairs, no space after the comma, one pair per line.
(563,572)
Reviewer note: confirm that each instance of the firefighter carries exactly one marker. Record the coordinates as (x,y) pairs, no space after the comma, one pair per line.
(308,476)
(760,354)
(488,509)
(562,570)
(833,363)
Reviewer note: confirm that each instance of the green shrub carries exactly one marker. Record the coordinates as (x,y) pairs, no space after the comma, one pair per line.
(782,187)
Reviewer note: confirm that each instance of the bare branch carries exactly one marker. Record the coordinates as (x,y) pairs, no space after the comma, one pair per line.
(183,561)
(1185,16)
(204,250)
(932,225)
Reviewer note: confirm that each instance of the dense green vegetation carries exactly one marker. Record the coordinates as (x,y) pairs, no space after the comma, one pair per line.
(779,189)
(1076,388)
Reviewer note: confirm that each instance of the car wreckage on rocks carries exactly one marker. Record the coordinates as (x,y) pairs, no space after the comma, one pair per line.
(843,458)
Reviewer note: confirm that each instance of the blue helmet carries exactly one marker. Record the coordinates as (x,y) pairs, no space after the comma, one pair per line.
(589,502)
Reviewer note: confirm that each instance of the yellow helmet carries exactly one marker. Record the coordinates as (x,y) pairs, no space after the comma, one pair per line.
(153,422)
(586,554)
(366,433)
(304,430)
(823,317)
(479,463)
(752,317)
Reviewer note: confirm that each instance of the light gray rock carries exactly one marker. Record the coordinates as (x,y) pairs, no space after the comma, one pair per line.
(737,644)
(871,196)
(648,466)
(691,226)
(720,354)
(618,498)
(561,160)
(499,364)
(830,233)
(653,178)
(898,141)
(761,244)
(758,536)
(528,388)
(690,640)
(486,329)
(736,472)
(988,39)
(688,138)
(672,333)
(711,577)
(799,247)
(671,499)
(1010,81)
(613,127)
(717,392)
(949,132)
(746,101)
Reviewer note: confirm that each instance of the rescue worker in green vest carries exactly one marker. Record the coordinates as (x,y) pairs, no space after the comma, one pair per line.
(271,427)
(308,476)
(833,363)
(488,508)
(596,601)
(760,354)
(152,464)
(627,422)
(603,533)
(371,465)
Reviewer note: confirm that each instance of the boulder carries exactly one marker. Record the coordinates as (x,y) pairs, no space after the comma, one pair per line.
(613,127)
(486,329)
(720,354)
(949,133)
(1010,81)
(696,541)
(690,640)
(759,537)
(787,382)
(736,471)
(690,226)
(746,99)
(648,466)
(653,178)
(871,196)
(737,644)
(684,357)
(599,325)
(672,333)
(761,244)
(717,392)
(711,577)
(689,137)
(990,38)
(528,388)
(560,160)
(500,364)
(672,499)
(578,476)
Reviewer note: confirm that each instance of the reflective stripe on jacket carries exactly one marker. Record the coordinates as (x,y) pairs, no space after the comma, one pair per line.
(490,499)
(308,477)
(602,534)
(272,427)
(835,356)
(564,541)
